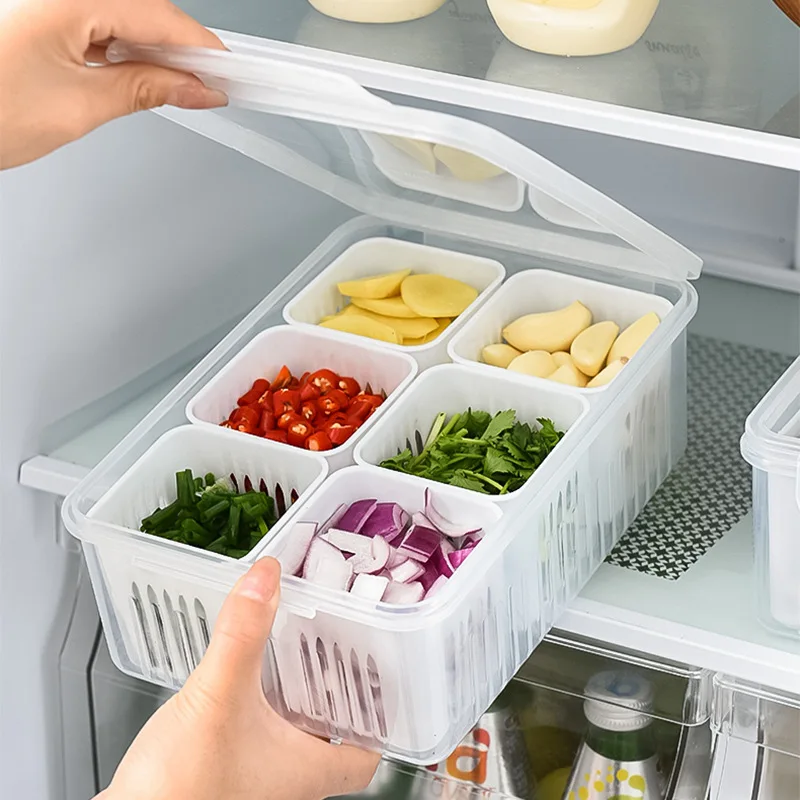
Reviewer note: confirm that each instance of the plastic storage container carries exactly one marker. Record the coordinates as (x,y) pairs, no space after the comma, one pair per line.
(377,10)
(309,125)
(573,27)
(304,350)
(771,443)
(377,256)
(757,756)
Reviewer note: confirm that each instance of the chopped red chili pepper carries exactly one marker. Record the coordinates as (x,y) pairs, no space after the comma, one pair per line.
(285,400)
(373,399)
(319,441)
(276,436)
(267,422)
(298,432)
(349,386)
(334,400)
(308,410)
(309,392)
(360,409)
(337,418)
(283,379)
(339,434)
(324,380)
(246,415)
(260,386)
(285,420)
(304,379)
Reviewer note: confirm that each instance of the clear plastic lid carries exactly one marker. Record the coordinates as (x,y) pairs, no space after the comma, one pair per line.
(420,168)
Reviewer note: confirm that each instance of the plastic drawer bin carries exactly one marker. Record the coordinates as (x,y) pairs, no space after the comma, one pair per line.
(650,424)
(159,599)
(758,742)
(411,678)
(302,350)
(379,255)
(771,443)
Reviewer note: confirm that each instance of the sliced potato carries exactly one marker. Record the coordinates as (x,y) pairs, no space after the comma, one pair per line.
(429,337)
(437,295)
(405,328)
(387,306)
(376,287)
(363,326)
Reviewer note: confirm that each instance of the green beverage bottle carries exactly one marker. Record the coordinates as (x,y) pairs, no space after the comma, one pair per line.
(618,759)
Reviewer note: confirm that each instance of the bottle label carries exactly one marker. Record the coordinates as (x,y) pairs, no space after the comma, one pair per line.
(595,777)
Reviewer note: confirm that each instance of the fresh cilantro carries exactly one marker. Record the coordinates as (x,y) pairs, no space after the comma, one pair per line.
(477,451)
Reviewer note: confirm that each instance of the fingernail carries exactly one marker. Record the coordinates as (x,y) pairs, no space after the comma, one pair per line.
(196,96)
(259,585)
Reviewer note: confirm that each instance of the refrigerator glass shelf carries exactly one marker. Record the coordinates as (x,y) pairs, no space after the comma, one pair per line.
(714,76)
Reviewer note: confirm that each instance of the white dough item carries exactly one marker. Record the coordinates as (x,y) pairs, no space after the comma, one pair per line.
(377,11)
(573,27)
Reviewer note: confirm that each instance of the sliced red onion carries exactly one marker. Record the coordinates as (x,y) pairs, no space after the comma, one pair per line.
(457,557)
(326,566)
(354,518)
(440,522)
(420,543)
(437,587)
(408,572)
(348,542)
(373,561)
(370,587)
(333,519)
(395,558)
(418,518)
(387,520)
(469,539)
(429,577)
(403,593)
(296,550)
(440,560)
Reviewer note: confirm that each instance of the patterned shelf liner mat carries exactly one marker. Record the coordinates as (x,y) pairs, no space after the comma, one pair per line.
(709,491)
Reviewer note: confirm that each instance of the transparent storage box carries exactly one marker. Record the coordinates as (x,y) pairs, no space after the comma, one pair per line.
(757,755)
(771,443)
(308,124)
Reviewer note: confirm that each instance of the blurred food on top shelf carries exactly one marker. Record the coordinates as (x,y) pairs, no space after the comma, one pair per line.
(573,27)
(377,12)
(565,346)
(401,308)
(618,756)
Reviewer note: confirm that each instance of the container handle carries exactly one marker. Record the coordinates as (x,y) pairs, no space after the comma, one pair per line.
(269,84)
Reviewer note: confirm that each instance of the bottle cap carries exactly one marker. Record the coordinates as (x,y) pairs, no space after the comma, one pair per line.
(618,701)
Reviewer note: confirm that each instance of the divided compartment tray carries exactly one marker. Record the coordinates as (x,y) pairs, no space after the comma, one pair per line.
(379,255)
(161,598)
(304,349)
(410,678)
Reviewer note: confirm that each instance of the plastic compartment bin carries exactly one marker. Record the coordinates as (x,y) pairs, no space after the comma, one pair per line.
(647,427)
(758,742)
(375,256)
(771,443)
(161,598)
(303,349)
(573,535)
(410,677)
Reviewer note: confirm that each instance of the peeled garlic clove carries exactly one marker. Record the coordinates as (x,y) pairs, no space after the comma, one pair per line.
(549,330)
(538,363)
(608,374)
(633,337)
(568,375)
(499,355)
(590,348)
(561,357)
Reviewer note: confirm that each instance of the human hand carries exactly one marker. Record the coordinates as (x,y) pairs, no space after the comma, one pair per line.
(219,739)
(48,94)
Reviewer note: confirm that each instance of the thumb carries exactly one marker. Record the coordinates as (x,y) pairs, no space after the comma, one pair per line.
(120,89)
(234,656)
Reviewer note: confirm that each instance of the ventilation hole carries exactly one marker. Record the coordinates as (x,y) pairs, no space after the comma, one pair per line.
(144,628)
(368,389)
(188,639)
(202,623)
(377,697)
(409,446)
(361,695)
(248,484)
(344,684)
(262,486)
(308,672)
(420,441)
(162,633)
(280,501)
(274,689)
(293,496)
(234,481)
(324,669)
(174,619)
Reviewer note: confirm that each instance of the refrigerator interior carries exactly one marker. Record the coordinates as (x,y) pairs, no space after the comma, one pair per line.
(125,257)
